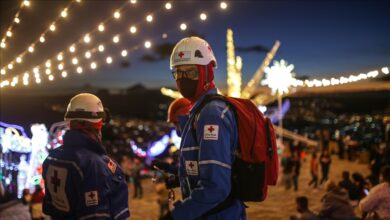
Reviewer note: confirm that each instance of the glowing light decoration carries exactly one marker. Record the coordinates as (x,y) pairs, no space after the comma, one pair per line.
(183,26)
(42,39)
(51,77)
(87,38)
(203,16)
(115,39)
(149,18)
(64,13)
(234,66)
(279,77)
(60,57)
(52,27)
(175,138)
(101,48)
(93,65)
(117,15)
(72,49)
(87,54)
(158,147)
(223,5)
(64,74)
(75,61)
(168,6)
(79,70)
(147,44)
(133,29)
(101,28)
(109,60)
(138,151)
(124,53)
(18,59)
(31,49)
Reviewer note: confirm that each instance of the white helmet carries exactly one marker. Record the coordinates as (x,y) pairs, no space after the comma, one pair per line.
(85,107)
(192,50)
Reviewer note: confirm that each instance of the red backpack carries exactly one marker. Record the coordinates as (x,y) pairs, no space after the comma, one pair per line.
(256,163)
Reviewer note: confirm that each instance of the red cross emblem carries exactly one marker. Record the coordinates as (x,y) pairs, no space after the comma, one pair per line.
(211,129)
(181,54)
(91,195)
(55,180)
(191,165)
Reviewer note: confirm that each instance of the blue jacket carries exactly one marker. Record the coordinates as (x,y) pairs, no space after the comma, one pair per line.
(82,182)
(205,170)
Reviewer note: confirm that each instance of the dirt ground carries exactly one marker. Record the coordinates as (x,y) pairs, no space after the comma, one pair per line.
(280,203)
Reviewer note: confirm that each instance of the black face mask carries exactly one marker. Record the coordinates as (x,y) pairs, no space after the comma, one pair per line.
(187,87)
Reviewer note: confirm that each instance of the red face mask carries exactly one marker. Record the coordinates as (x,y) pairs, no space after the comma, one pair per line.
(193,89)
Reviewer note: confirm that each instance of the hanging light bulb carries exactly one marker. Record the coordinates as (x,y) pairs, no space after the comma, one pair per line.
(17,20)
(223,5)
(148,44)
(109,60)
(75,61)
(183,26)
(38,81)
(93,65)
(87,54)
(2,44)
(101,27)
(18,59)
(133,1)
(48,71)
(149,18)
(79,70)
(10,66)
(117,15)
(87,38)
(72,49)
(9,34)
(124,53)
(203,16)
(168,5)
(36,70)
(133,29)
(51,77)
(64,74)
(42,39)
(115,39)
(101,48)
(60,66)
(64,13)
(48,64)
(31,49)
(60,57)
(26,3)
(3,72)
(52,27)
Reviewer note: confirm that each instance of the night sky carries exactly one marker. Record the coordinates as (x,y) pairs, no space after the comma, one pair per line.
(321,38)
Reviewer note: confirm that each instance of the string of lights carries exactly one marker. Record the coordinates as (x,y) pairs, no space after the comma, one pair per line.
(93,64)
(41,39)
(72,47)
(16,20)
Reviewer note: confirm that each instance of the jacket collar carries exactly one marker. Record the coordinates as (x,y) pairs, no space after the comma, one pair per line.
(77,139)
(200,99)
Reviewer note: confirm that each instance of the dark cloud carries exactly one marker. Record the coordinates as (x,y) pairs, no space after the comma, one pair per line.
(255,48)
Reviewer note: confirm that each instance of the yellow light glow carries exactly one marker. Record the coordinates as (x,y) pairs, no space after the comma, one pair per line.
(25,82)
(87,54)
(385,70)
(133,1)
(148,44)
(52,27)
(2,71)
(2,44)
(48,71)
(78,1)
(60,66)
(48,64)
(51,77)
(60,57)
(280,76)
(75,61)
(109,60)
(93,65)
(9,34)
(149,18)
(36,70)
(117,15)
(203,16)
(17,20)
(64,13)
(124,53)
(64,74)
(38,81)
(42,39)
(18,59)
(101,48)
(72,49)
(168,5)
(87,38)
(183,26)
(26,3)
(223,5)
(31,49)
(133,29)
(79,70)
(115,39)
(10,66)
(164,35)
(101,27)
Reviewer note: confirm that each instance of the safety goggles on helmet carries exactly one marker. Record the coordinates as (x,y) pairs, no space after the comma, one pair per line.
(192,74)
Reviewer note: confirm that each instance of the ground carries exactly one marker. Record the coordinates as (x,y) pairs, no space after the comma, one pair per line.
(280,203)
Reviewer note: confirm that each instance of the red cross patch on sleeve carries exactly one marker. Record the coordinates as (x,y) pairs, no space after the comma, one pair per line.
(91,198)
(210,132)
(111,165)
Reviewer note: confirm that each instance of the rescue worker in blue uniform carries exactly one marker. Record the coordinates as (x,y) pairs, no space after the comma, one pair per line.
(205,160)
(81,181)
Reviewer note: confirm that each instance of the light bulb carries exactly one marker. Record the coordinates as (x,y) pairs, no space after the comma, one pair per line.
(223,5)
(72,49)
(149,18)
(183,26)
(109,60)
(101,27)
(203,16)
(133,29)
(124,53)
(115,39)
(87,54)
(42,39)
(101,48)
(148,44)
(75,61)
(117,15)
(168,5)
(31,49)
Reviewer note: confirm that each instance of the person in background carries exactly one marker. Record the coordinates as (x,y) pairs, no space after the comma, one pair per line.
(377,202)
(136,175)
(335,203)
(36,204)
(296,170)
(314,170)
(348,185)
(288,168)
(360,184)
(26,197)
(303,210)
(325,162)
